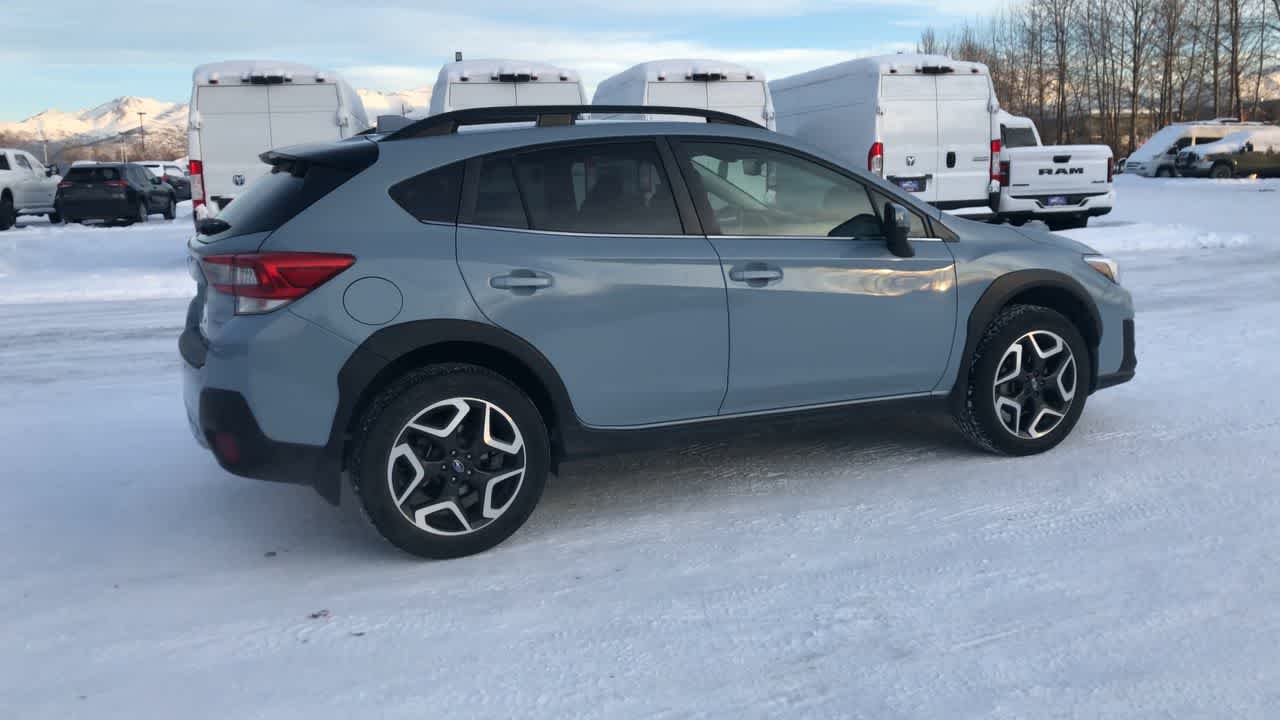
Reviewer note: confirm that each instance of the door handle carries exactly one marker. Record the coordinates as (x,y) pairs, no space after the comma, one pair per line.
(755,275)
(951,159)
(519,280)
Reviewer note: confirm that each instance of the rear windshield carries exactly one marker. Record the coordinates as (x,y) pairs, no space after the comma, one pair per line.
(92,174)
(275,198)
(1015,137)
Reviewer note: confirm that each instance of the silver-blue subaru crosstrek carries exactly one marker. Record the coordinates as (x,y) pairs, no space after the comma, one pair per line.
(440,314)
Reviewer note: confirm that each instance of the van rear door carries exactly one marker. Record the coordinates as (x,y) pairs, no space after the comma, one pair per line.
(548,93)
(235,127)
(302,114)
(909,132)
(964,139)
(464,95)
(744,98)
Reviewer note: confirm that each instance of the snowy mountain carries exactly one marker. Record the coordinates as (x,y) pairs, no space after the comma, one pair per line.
(401,102)
(105,120)
(165,118)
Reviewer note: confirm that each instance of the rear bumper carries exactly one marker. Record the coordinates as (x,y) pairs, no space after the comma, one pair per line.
(1031,207)
(105,209)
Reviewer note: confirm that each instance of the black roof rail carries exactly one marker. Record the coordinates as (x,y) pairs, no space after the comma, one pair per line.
(549,116)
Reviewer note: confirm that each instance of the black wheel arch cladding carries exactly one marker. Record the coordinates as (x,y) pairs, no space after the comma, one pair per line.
(1048,288)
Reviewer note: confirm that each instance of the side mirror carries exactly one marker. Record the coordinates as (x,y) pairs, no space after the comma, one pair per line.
(897,229)
(155,181)
(51,170)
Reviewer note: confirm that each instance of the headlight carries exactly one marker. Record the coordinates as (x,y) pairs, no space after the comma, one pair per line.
(1104,265)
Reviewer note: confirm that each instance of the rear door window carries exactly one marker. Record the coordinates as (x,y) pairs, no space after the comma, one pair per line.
(22,162)
(498,202)
(4,161)
(432,196)
(1016,137)
(612,188)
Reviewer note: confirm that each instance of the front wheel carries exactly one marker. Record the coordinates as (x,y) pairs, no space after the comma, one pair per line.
(450,461)
(1164,172)
(1027,383)
(1221,171)
(141,212)
(170,209)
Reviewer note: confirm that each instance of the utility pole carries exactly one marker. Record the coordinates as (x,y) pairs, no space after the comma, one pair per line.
(142,131)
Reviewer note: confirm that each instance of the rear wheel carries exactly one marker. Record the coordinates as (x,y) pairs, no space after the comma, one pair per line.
(140,215)
(450,461)
(1221,171)
(1164,172)
(1027,383)
(55,218)
(170,209)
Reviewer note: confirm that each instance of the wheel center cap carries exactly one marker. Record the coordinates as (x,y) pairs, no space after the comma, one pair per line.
(458,467)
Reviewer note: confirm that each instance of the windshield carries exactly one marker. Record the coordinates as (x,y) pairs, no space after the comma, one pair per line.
(1160,143)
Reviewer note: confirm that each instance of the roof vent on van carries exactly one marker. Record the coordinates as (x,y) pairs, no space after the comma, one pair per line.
(214,78)
(936,69)
(321,77)
(711,76)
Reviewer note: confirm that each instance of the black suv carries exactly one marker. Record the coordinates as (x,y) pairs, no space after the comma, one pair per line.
(113,192)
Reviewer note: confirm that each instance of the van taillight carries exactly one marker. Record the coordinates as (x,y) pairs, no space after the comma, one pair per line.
(1003,175)
(1111,169)
(997,168)
(196,172)
(875,158)
(262,282)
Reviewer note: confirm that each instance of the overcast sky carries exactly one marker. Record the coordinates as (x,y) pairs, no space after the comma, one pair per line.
(70,54)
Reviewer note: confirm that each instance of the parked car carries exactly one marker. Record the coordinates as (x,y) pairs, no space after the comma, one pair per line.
(171,172)
(1062,185)
(242,108)
(706,84)
(1245,153)
(467,309)
(925,123)
(113,192)
(27,187)
(1158,156)
(498,83)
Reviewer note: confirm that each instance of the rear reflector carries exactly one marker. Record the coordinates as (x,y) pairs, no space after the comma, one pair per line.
(263,282)
(995,160)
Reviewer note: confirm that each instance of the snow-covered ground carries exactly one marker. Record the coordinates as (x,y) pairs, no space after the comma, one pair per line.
(879,570)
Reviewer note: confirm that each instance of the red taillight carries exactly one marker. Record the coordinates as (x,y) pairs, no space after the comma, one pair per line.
(1111,169)
(875,158)
(263,282)
(195,169)
(116,183)
(997,167)
(1003,175)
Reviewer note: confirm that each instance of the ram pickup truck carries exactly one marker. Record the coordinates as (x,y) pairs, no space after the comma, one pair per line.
(1062,185)
(27,187)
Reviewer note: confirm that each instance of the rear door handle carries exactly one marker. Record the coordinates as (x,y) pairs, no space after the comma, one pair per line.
(755,274)
(951,159)
(519,280)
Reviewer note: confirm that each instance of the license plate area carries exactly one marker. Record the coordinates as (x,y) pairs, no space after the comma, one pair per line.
(1055,201)
(911,184)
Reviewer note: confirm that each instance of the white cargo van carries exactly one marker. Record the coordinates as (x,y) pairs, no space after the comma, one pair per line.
(502,83)
(242,108)
(1158,156)
(1062,185)
(701,84)
(924,122)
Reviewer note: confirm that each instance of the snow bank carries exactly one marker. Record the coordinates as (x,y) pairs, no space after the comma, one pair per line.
(1184,214)
(44,263)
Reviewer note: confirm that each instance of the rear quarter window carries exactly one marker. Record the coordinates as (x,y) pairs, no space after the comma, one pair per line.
(432,196)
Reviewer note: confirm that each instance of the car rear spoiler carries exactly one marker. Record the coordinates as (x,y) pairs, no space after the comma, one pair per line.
(351,155)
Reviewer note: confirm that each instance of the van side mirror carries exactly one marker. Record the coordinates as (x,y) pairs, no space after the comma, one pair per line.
(897,230)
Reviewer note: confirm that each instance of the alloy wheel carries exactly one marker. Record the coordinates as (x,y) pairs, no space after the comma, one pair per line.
(1035,384)
(456,466)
